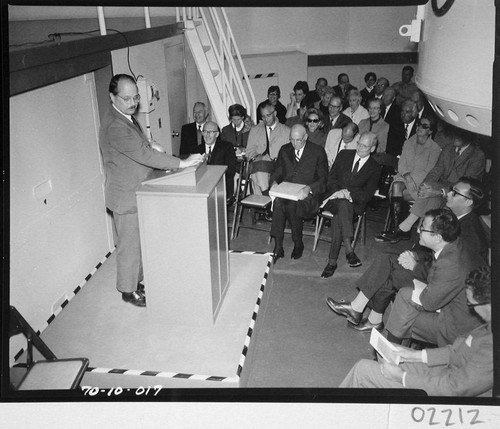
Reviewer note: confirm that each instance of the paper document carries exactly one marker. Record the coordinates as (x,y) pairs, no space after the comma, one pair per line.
(286,190)
(418,287)
(384,347)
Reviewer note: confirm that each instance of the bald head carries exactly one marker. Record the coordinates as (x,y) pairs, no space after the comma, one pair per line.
(298,136)
(409,111)
(367,144)
(389,96)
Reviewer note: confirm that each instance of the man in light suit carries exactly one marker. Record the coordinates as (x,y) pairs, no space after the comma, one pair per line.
(336,118)
(128,160)
(351,183)
(341,139)
(463,158)
(192,133)
(464,368)
(303,162)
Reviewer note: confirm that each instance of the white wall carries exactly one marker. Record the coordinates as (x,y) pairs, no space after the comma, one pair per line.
(54,243)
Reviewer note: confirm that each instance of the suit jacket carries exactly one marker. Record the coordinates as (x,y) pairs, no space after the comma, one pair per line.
(236,138)
(189,139)
(128,160)
(473,235)
(257,140)
(393,116)
(365,96)
(396,138)
(311,170)
(341,121)
(361,185)
(449,169)
(312,97)
(380,128)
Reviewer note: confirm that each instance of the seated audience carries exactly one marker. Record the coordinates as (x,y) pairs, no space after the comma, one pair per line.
(341,139)
(423,106)
(303,162)
(343,88)
(237,131)
(405,87)
(324,102)
(336,119)
(352,181)
(273,96)
(299,117)
(388,273)
(375,124)
(355,111)
(300,90)
(464,368)
(380,87)
(314,122)
(367,92)
(192,133)
(391,112)
(219,152)
(316,94)
(264,142)
(406,128)
(463,158)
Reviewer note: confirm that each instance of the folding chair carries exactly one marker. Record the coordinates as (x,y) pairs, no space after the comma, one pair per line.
(246,200)
(47,374)
(360,227)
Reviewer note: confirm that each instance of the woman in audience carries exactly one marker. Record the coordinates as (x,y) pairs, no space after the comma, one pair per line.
(314,122)
(237,131)
(322,105)
(300,91)
(355,111)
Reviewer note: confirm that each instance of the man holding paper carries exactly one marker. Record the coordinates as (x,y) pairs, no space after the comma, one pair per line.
(299,162)
(352,181)
(464,368)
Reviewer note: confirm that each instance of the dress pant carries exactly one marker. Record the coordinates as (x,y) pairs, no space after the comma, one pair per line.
(341,224)
(408,319)
(422,205)
(128,252)
(383,278)
(282,210)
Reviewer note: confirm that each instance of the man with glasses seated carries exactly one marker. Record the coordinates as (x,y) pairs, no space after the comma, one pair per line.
(387,273)
(128,160)
(336,118)
(463,158)
(264,143)
(464,368)
(192,133)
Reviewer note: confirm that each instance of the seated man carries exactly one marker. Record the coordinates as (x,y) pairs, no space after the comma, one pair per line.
(386,275)
(273,96)
(464,368)
(264,142)
(352,181)
(340,139)
(343,88)
(192,133)
(405,87)
(316,94)
(336,119)
(462,158)
(304,162)
(220,152)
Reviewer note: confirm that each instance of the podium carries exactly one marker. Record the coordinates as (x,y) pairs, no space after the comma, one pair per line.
(184,244)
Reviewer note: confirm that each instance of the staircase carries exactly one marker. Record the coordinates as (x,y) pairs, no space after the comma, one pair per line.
(218,60)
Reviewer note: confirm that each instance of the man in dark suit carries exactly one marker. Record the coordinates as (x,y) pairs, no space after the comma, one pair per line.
(336,118)
(423,106)
(415,310)
(405,129)
(352,181)
(192,134)
(463,158)
(128,160)
(219,152)
(386,275)
(367,92)
(462,369)
(343,88)
(303,162)
(391,112)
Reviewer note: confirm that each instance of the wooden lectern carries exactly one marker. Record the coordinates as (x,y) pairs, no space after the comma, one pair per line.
(183,228)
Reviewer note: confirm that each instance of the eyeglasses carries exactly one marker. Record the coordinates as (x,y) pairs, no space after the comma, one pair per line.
(268,115)
(210,132)
(454,192)
(420,229)
(424,126)
(334,106)
(471,305)
(313,120)
(128,99)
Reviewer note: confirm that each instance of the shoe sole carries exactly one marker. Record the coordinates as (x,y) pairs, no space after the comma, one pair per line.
(363,331)
(355,265)
(348,317)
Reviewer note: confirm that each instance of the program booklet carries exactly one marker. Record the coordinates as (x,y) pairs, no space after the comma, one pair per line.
(384,347)
(286,190)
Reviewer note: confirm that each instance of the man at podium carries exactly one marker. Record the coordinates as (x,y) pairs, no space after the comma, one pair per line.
(128,159)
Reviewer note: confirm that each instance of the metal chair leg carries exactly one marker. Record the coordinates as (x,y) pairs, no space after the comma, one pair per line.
(317,231)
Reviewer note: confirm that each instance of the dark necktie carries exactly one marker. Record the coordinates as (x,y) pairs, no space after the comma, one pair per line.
(136,123)
(356,166)
(198,134)
(406,131)
(297,156)
(383,112)
(266,152)
(209,154)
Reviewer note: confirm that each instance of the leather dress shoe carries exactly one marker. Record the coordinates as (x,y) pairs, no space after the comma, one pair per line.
(396,235)
(345,309)
(381,238)
(366,326)
(134,298)
(278,252)
(140,288)
(298,250)
(353,260)
(328,271)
